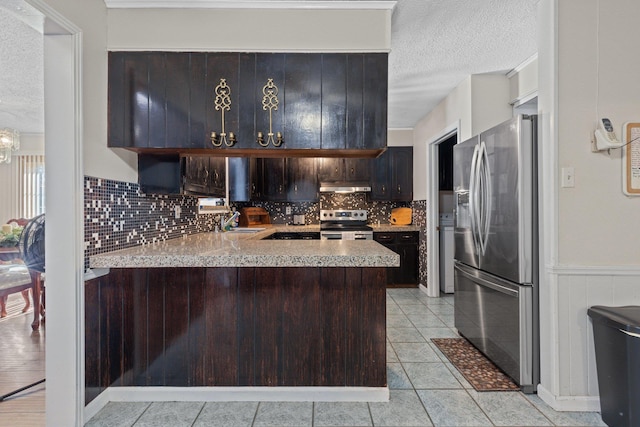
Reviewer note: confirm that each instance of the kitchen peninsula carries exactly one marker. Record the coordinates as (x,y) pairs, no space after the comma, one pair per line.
(230,310)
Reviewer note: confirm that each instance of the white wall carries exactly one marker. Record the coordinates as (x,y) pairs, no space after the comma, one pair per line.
(30,144)
(455,107)
(91,17)
(598,77)
(587,70)
(489,101)
(198,29)
(249,29)
(523,80)
(477,103)
(399,137)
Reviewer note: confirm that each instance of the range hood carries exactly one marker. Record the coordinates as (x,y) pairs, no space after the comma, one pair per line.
(344,187)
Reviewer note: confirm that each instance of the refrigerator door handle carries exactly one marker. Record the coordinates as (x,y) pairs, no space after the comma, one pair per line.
(473,197)
(492,285)
(485,174)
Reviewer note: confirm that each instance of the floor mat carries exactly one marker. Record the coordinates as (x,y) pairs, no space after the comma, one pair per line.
(481,373)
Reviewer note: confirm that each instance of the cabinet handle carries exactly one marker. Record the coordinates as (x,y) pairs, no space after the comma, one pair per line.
(384,189)
(353,171)
(280,188)
(399,190)
(295,188)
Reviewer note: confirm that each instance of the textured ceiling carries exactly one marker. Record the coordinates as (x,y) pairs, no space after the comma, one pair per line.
(21,77)
(435,44)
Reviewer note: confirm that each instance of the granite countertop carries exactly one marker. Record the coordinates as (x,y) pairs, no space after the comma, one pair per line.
(235,249)
(386,227)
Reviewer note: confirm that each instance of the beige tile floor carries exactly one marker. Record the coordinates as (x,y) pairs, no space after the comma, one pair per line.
(425,389)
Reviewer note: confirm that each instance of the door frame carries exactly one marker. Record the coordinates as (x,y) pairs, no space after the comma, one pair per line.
(433,218)
(64,234)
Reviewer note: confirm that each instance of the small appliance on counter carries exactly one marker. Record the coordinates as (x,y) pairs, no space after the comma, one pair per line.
(252,216)
(401,216)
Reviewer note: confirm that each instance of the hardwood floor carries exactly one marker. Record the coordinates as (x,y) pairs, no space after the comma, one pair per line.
(22,362)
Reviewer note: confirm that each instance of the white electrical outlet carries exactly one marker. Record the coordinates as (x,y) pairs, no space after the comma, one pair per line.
(288,210)
(568,177)
(177,210)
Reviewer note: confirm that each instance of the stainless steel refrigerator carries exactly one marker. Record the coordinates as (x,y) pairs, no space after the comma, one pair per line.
(496,263)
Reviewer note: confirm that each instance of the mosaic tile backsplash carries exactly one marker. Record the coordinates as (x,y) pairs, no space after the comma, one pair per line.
(419,219)
(378,211)
(118,215)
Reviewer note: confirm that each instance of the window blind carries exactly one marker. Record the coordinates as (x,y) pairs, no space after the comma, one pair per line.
(27,192)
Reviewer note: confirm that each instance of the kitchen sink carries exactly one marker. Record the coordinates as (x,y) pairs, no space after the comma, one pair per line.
(246,230)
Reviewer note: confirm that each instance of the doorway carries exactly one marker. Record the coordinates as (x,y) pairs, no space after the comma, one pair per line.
(445,213)
(439,200)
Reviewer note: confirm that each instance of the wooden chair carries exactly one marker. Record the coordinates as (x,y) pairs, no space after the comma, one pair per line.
(37,282)
(14,278)
(20,221)
(25,293)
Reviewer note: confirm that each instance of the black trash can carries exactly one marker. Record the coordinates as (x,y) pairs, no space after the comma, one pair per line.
(616,334)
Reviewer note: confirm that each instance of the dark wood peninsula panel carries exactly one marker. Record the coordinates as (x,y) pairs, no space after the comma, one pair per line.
(236,326)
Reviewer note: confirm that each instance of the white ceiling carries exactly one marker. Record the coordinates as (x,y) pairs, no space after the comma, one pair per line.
(435,44)
(21,76)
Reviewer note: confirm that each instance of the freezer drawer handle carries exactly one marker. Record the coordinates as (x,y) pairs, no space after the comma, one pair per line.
(489,284)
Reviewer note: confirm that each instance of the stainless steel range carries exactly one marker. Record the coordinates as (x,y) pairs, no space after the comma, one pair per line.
(344,224)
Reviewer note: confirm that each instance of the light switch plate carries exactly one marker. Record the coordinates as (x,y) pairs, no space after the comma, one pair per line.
(568,177)
(288,210)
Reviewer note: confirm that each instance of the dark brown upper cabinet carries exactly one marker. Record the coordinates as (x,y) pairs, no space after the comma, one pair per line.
(161,102)
(392,175)
(156,100)
(302,180)
(205,176)
(255,72)
(283,179)
(303,101)
(348,170)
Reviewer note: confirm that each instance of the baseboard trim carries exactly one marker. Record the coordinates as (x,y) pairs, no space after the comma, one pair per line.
(235,394)
(96,405)
(569,403)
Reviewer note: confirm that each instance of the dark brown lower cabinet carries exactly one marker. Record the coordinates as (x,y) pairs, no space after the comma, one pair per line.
(275,326)
(404,244)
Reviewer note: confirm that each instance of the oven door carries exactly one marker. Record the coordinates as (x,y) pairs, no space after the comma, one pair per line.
(331,235)
(346,235)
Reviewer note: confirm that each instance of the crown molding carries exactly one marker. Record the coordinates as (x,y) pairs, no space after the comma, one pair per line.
(250,4)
